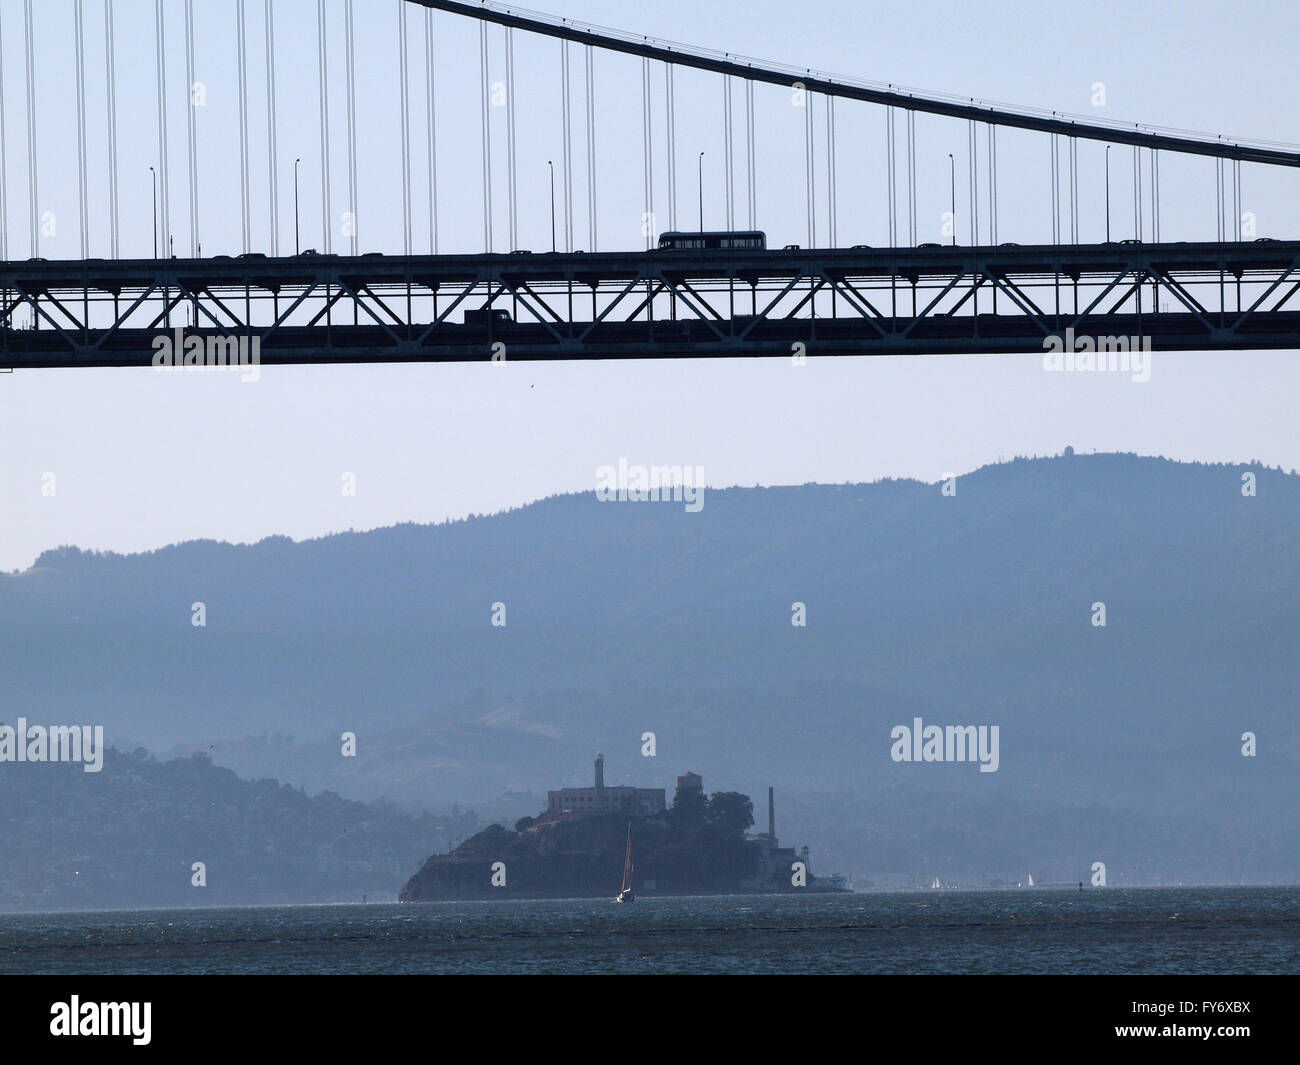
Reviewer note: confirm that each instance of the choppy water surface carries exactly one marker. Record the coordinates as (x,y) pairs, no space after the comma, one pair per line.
(1156,930)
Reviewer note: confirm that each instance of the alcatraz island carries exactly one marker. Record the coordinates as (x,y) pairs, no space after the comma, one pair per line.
(576,849)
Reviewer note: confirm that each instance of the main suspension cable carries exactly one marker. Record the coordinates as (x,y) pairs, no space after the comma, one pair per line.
(326,207)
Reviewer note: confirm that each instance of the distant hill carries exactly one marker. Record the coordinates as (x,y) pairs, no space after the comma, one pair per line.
(129,835)
(629,618)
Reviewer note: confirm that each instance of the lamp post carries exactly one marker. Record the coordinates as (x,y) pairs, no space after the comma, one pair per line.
(1108,194)
(701,161)
(952,166)
(296,244)
(552,166)
(154,174)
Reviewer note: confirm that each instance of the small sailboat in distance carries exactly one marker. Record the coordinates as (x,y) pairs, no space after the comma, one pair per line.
(625,893)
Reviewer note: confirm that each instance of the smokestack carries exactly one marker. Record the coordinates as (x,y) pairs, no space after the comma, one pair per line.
(600,772)
(771,813)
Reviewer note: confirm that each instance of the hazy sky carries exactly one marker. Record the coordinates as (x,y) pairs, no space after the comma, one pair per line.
(144,459)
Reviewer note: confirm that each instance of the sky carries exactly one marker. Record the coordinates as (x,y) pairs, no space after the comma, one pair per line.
(142,459)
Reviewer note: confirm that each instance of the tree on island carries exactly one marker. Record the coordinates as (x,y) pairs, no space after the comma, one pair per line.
(689,811)
(732,811)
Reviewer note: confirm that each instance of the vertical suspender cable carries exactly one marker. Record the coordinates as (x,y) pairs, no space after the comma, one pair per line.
(727,143)
(892,177)
(272,153)
(993,185)
(1141,226)
(972,195)
(110,76)
(1155,194)
(4,163)
(831,191)
(1236,186)
(512,165)
(432,140)
(192,129)
(591,149)
(992,236)
(32,192)
(160,36)
(911,176)
(808,169)
(326,207)
(485,132)
(567,115)
(353,206)
(1137,192)
(1136,229)
(750,146)
(670,142)
(650,156)
(647,224)
(1074,190)
(1218,198)
(242,49)
(512,195)
(1056,239)
(406,127)
(78,15)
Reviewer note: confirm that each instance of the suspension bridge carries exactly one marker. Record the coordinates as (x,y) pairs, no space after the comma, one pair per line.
(735,289)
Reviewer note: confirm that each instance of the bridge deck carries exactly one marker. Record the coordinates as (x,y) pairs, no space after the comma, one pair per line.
(854,301)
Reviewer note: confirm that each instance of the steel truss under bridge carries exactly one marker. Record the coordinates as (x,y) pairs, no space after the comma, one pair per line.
(659,304)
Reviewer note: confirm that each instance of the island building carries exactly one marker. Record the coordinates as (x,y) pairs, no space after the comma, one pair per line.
(589,802)
(771,862)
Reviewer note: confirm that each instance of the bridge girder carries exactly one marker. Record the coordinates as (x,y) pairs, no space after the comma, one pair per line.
(662,304)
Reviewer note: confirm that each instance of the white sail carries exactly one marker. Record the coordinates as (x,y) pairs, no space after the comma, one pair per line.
(625,892)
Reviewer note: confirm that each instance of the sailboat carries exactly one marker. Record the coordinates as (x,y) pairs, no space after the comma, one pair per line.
(625,893)
(935,886)
(1031,879)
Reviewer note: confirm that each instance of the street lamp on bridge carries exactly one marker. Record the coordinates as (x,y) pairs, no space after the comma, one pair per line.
(952,165)
(154,178)
(1108,194)
(701,192)
(552,166)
